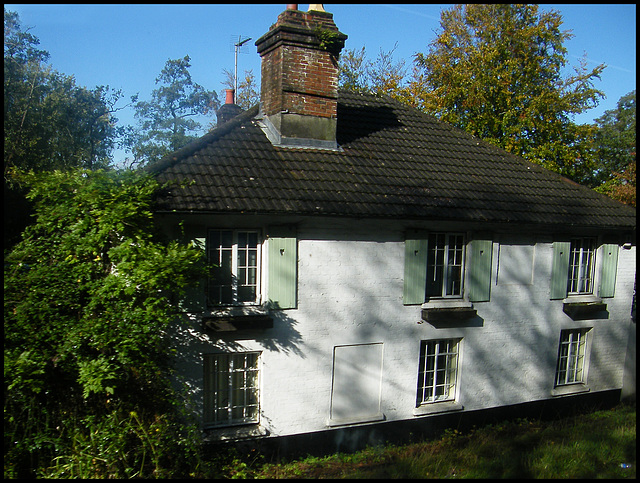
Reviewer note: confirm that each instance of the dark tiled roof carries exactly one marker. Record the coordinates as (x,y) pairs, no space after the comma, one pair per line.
(394,162)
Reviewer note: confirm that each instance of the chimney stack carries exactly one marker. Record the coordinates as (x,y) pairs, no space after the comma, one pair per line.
(299,78)
(229,109)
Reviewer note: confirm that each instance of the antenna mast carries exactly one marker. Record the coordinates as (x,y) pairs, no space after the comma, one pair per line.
(237,46)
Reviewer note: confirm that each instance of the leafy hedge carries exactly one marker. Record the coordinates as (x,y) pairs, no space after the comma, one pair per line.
(89,295)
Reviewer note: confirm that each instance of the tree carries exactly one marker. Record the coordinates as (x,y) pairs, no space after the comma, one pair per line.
(248,94)
(496,72)
(49,122)
(616,151)
(352,70)
(167,121)
(383,75)
(88,300)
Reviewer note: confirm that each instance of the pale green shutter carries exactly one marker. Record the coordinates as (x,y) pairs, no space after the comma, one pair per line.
(560,269)
(283,268)
(479,270)
(195,296)
(415,269)
(608,272)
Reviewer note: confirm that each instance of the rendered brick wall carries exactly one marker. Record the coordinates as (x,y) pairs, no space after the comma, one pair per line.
(350,282)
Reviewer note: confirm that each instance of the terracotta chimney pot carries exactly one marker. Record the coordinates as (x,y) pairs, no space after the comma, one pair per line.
(230,99)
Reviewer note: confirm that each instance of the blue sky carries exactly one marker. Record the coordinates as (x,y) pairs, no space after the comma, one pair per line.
(126,46)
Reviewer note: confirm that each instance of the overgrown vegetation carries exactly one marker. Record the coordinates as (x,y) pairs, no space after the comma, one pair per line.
(89,294)
(594,445)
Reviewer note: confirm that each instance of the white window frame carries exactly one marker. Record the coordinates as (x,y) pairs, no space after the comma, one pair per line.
(236,268)
(231,389)
(572,363)
(582,262)
(447,265)
(443,380)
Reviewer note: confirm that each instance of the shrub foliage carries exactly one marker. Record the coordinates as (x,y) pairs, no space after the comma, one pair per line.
(89,295)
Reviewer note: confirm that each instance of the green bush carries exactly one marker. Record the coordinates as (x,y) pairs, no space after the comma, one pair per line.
(88,297)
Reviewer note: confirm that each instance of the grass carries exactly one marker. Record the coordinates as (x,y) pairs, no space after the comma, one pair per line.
(590,445)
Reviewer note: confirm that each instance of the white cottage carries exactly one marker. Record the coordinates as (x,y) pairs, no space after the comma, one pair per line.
(378,269)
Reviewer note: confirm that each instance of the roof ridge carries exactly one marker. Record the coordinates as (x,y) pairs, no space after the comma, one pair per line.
(190,148)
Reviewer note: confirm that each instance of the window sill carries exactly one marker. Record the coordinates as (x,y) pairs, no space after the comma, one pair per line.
(233,433)
(583,306)
(569,389)
(232,319)
(437,407)
(447,311)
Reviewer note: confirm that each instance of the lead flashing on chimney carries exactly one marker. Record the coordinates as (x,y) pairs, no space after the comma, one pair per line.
(280,141)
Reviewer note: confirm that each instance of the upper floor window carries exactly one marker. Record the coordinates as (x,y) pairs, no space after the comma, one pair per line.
(236,277)
(581,266)
(445,265)
(438,264)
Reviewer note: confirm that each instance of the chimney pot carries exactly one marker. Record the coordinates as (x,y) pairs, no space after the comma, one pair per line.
(292,6)
(230,99)
(229,109)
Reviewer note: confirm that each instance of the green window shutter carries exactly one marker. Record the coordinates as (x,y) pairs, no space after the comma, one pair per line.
(608,271)
(195,296)
(479,270)
(283,268)
(415,270)
(560,269)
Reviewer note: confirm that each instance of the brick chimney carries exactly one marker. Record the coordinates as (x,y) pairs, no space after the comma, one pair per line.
(229,109)
(299,78)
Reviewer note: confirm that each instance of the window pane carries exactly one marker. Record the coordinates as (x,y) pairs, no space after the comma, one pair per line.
(437,371)
(445,267)
(581,265)
(231,388)
(570,368)
(235,279)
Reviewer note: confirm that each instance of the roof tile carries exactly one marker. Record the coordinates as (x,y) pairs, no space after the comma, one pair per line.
(393,161)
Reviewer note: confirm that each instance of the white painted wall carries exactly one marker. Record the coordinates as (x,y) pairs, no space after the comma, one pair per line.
(350,282)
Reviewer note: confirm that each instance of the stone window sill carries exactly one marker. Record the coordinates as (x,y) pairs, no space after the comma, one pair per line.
(234,433)
(583,306)
(569,389)
(449,311)
(232,319)
(437,407)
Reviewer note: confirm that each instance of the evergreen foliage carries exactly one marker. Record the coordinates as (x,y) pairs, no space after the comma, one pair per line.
(167,121)
(88,298)
(50,122)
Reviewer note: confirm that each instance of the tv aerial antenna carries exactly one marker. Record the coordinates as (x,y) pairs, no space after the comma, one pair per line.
(237,45)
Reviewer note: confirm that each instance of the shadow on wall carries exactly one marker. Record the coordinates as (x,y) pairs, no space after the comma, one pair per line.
(510,348)
(191,340)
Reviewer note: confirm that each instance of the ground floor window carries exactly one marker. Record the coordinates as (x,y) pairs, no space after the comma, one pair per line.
(571,357)
(231,388)
(438,370)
